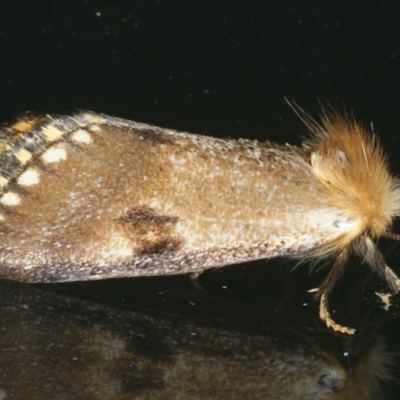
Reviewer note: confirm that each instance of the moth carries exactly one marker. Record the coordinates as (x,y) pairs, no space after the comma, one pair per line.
(87,196)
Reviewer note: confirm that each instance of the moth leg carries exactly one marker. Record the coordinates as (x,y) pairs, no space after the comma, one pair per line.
(392,279)
(376,261)
(325,315)
(390,235)
(325,290)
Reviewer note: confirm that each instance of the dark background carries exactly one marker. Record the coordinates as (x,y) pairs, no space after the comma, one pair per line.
(211,67)
(216,68)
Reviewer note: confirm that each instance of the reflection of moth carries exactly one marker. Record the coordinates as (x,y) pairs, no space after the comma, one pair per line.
(87,196)
(83,350)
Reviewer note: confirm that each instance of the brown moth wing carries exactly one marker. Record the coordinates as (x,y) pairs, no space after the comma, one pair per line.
(89,196)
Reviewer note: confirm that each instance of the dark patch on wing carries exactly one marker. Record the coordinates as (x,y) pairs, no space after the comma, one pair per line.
(146,217)
(157,136)
(5,230)
(160,246)
(154,231)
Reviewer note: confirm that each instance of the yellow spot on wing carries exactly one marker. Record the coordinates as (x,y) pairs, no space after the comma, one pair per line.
(23,126)
(52,134)
(94,119)
(3,181)
(23,156)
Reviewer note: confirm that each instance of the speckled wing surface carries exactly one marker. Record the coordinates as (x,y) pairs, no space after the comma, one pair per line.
(87,196)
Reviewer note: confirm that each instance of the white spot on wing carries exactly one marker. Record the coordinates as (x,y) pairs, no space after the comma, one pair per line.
(29,177)
(81,136)
(95,128)
(10,199)
(54,154)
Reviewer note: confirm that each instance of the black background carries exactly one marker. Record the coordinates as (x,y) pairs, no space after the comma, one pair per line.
(216,68)
(211,67)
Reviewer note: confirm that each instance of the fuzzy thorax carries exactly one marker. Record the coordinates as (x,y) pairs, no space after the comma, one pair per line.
(349,162)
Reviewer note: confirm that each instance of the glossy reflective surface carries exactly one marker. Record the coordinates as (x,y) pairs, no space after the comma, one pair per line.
(92,342)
